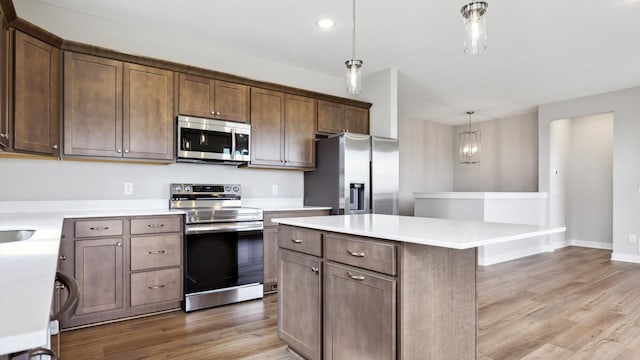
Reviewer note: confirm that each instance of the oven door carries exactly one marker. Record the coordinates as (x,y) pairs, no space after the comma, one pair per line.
(206,139)
(222,257)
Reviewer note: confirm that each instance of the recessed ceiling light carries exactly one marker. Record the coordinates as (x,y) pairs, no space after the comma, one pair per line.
(325,23)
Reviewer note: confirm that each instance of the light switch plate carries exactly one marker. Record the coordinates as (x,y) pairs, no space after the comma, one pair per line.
(274,189)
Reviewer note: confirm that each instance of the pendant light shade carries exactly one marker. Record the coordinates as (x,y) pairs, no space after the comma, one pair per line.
(475,26)
(354,77)
(470,148)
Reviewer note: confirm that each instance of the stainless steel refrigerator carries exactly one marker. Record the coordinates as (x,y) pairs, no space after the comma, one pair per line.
(355,174)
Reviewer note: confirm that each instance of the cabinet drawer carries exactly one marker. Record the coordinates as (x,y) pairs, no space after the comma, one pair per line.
(304,241)
(155,286)
(95,228)
(155,251)
(157,224)
(366,254)
(269,216)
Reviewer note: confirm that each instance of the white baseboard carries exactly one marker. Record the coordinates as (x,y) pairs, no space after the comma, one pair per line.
(591,244)
(500,258)
(496,259)
(625,257)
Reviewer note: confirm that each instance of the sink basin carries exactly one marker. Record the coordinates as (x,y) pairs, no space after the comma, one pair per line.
(15,235)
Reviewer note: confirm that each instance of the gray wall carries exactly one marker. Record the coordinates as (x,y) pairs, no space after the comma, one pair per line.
(625,104)
(591,179)
(426,163)
(28,179)
(509,160)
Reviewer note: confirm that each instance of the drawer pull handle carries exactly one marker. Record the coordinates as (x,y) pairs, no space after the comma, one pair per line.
(99,228)
(355,254)
(296,241)
(156,252)
(155,225)
(119,244)
(315,270)
(356,277)
(153,287)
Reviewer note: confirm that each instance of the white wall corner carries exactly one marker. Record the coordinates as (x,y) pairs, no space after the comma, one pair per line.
(381,89)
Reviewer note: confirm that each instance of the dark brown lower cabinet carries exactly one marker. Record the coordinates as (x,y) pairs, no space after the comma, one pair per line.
(300,303)
(360,314)
(99,273)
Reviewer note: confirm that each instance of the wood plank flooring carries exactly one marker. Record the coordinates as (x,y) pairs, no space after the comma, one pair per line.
(571,304)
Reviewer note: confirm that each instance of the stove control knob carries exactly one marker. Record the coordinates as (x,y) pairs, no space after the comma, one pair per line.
(227,189)
(187,188)
(177,188)
(236,188)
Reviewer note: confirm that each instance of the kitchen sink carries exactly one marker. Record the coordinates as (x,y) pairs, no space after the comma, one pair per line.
(15,235)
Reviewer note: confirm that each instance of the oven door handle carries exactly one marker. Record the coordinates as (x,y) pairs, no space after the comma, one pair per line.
(224,227)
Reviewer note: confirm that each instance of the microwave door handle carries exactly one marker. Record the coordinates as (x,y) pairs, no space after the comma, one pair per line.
(233,143)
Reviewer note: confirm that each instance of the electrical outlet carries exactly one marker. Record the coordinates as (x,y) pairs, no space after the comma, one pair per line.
(274,189)
(633,238)
(128,188)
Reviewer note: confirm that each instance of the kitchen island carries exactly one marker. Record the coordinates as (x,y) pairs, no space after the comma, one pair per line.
(382,286)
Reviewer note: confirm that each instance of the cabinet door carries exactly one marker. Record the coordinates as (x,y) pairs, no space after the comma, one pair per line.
(231,101)
(99,272)
(4,84)
(92,105)
(148,119)
(300,131)
(267,121)
(36,113)
(360,315)
(330,117)
(299,303)
(356,120)
(195,96)
(270,260)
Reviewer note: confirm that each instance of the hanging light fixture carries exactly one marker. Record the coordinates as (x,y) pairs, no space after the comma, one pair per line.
(354,78)
(475,25)
(470,144)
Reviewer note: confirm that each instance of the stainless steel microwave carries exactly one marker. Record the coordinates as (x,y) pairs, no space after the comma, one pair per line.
(202,139)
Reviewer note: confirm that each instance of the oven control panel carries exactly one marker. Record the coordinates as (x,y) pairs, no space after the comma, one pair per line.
(218,190)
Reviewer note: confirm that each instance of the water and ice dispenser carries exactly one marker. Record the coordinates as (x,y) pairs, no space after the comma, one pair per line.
(356,196)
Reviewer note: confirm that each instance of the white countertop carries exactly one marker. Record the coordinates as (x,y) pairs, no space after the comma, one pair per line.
(481,195)
(27,273)
(27,268)
(454,234)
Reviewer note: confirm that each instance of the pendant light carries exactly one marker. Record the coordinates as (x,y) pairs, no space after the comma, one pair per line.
(354,78)
(475,25)
(470,144)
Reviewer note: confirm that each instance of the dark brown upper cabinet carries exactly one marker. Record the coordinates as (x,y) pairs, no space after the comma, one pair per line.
(282,130)
(36,96)
(5,144)
(118,110)
(335,118)
(209,98)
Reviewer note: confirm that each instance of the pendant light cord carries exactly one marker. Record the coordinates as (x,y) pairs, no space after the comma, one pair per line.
(353,35)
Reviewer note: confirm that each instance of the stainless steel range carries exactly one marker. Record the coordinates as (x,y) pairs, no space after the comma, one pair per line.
(222,247)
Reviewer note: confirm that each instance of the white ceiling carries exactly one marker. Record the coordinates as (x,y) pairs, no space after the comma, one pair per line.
(538,51)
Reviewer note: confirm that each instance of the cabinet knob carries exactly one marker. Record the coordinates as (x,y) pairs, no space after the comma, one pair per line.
(315,270)
(126,151)
(119,151)
(62,257)
(119,244)
(355,277)
(54,147)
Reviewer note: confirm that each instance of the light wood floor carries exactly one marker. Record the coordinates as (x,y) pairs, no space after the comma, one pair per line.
(571,304)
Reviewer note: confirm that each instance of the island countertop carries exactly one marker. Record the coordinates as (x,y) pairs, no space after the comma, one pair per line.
(447,233)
